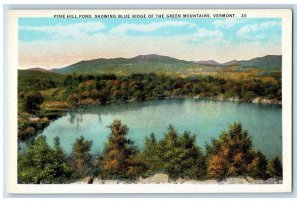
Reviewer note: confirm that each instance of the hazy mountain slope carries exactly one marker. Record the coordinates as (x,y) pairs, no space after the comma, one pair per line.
(141,63)
(266,62)
(163,64)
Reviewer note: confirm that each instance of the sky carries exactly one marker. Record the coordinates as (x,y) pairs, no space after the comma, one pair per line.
(55,43)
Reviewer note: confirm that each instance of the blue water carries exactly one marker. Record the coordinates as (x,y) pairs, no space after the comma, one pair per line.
(206,119)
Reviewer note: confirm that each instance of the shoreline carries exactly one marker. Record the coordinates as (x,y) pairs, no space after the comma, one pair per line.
(257,100)
(42,122)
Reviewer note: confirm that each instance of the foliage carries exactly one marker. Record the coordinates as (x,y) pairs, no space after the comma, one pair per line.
(274,168)
(41,164)
(176,155)
(151,155)
(258,166)
(81,159)
(181,156)
(32,102)
(118,153)
(232,154)
(103,88)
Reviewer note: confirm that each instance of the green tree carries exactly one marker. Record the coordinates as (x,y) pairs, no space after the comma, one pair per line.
(169,151)
(81,159)
(118,153)
(60,167)
(181,156)
(40,164)
(33,101)
(152,156)
(193,164)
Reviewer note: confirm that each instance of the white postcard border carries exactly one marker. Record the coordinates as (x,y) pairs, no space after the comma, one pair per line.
(13,187)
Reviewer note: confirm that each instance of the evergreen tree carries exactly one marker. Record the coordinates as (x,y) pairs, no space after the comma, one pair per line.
(258,166)
(170,153)
(40,164)
(180,156)
(81,157)
(118,153)
(232,154)
(192,162)
(274,168)
(60,167)
(152,156)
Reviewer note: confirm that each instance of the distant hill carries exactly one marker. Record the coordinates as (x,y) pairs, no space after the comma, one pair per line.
(139,64)
(39,74)
(153,63)
(232,62)
(39,69)
(208,62)
(266,62)
(156,58)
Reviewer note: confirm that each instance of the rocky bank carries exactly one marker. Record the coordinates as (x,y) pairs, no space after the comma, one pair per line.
(164,179)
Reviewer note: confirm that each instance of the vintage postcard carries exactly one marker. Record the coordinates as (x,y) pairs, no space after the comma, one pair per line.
(150,101)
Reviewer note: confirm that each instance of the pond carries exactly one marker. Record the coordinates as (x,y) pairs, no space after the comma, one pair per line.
(205,118)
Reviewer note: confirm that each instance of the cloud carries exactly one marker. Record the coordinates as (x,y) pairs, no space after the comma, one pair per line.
(227,23)
(197,35)
(124,28)
(73,30)
(201,35)
(256,27)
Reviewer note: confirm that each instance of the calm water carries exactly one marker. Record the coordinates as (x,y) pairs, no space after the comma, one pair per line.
(206,119)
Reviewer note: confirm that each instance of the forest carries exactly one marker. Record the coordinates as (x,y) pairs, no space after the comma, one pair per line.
(231,154)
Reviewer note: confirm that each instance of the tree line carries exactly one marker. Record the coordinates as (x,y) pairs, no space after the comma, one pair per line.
(178,155)
(111,88)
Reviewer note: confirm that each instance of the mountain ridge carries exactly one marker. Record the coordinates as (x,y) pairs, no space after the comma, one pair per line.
(159,63)
(268,62)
